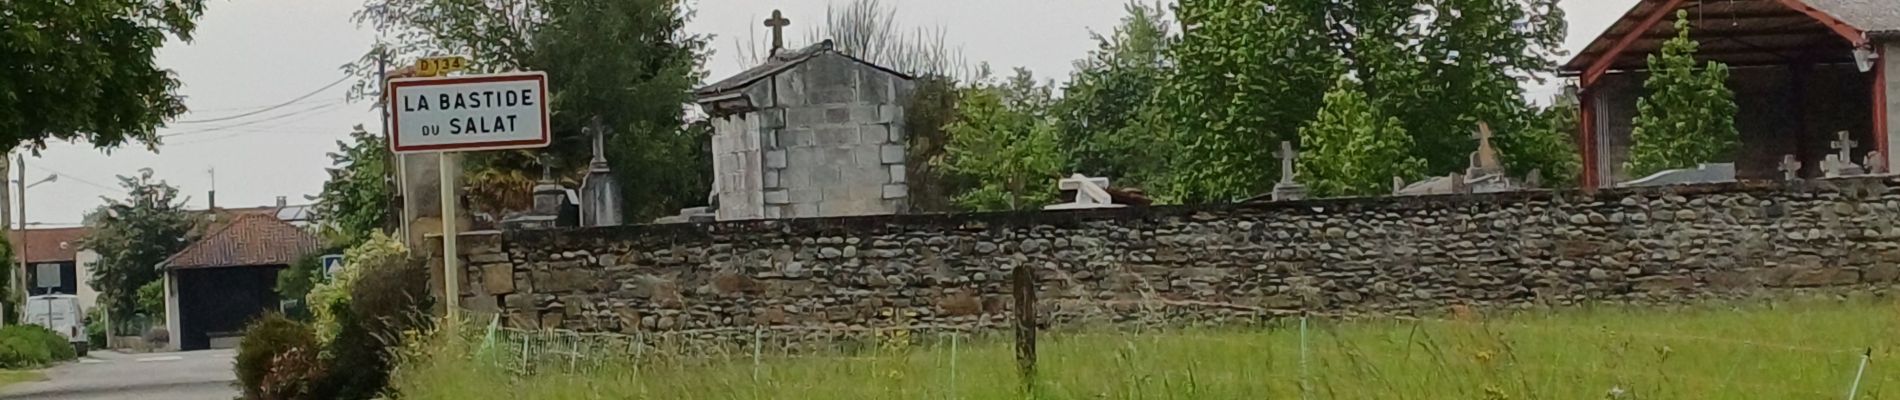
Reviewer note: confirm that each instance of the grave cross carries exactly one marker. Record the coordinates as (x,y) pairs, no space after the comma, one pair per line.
(1845,145)
(1790,169)
(1286,161)
(778,22)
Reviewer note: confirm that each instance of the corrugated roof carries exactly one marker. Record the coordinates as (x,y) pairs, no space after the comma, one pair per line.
(47,245)
(1870,16)
(1744,32)
(779,63)
(249,240)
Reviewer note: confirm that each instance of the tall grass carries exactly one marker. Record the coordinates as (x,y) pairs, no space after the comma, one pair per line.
(1803,350)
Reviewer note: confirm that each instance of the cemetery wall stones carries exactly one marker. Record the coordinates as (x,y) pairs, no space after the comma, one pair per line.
(1200,264)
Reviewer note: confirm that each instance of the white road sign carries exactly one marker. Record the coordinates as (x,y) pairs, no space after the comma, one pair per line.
(481,112)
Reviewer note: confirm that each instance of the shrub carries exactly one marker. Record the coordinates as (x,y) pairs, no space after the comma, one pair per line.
(28,346)
(263,353)
(152,298)
(96,328)
(387,299)
(326,298)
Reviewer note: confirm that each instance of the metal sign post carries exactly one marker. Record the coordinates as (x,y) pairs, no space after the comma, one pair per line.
(464,113)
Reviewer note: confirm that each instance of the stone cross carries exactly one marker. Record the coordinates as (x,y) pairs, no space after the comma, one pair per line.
(1833,166)
(600,140)
(1875,163)
(1845,145)
(1790,168)
(778,22)
(1487,157)
(1287,155)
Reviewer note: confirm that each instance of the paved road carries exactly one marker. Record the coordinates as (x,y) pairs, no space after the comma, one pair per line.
(105,375)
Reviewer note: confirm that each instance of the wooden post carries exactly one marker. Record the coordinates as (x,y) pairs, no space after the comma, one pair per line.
(1024,285)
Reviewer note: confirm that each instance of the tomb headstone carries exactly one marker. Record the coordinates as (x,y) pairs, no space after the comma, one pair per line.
(1705,173)
(1842,162)
(1090,193)
(1790,168)
(1288,189)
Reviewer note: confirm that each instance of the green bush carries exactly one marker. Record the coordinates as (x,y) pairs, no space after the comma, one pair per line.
(30,346)
(388,298)
(96,328)
(269,342)
(327,297)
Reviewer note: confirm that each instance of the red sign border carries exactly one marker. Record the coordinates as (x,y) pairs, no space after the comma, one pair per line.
(395,137)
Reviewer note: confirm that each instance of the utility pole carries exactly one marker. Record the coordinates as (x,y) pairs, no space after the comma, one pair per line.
(20,287)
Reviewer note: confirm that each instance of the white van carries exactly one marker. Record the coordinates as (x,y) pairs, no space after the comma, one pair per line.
(61,314)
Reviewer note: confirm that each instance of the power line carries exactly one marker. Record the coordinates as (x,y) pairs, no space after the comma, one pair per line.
(252,122)
(269,108)
(73,178)
(233,134)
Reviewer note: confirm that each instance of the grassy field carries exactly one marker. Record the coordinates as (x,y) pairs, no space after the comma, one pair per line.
(1804,350)
(10,377)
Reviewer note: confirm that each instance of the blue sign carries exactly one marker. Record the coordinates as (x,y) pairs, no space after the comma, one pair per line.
(331,264)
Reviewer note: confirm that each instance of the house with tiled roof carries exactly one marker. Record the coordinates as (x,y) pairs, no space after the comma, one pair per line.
(217,285)
(55,263)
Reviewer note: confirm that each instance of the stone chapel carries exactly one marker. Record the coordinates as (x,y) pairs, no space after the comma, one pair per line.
(811,132)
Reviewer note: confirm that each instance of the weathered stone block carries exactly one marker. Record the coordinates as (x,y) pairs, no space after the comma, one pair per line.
(896,191)
(498,279)
(775,159)
(776,197)
(892,153)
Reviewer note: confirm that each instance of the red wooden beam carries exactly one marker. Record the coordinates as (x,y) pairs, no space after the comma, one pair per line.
(1880,105)
(1603,63)
(1849,32)
(1587,135)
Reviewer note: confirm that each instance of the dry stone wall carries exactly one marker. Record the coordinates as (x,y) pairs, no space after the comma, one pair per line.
(1221,264)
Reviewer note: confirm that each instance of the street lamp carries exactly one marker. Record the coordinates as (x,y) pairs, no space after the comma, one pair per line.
(21,280)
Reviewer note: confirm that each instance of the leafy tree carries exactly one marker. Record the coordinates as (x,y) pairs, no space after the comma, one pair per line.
(928,111)
(356,201)
(1354,149)
(1104,117)
(1247,75)
(85,70)
(1548,144)
(636,91)
(132,236)
(1476,56)
(1689,115)
(1004,141)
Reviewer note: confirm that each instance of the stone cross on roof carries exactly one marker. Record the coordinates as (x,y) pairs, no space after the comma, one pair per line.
(778,22)
(1287,155)
(1790,168)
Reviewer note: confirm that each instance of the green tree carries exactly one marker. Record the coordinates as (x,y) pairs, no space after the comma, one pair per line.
(85,70)
(357,199)
(1354,149)
(1104,118)
(636,91)
(928,111)
(1005,142)
(132,236)
(1689,115)
(1474,57)
(1548,144)
(1246,78)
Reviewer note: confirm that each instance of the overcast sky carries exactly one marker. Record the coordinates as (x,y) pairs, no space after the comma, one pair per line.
(250,54)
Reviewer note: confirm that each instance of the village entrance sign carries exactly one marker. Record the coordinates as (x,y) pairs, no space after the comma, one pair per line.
(464,113)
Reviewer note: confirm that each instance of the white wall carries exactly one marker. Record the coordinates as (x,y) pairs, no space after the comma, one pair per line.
(82,270)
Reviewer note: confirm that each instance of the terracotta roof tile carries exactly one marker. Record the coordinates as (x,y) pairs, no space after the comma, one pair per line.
(47,245)
(249,240)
